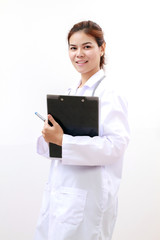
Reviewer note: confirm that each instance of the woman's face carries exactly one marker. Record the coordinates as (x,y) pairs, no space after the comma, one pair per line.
(85,53)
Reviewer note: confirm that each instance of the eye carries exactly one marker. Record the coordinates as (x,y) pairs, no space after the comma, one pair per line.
(87,47)
(73,48)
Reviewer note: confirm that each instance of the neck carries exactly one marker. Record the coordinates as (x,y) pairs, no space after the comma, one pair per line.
(86,76)
(84,79)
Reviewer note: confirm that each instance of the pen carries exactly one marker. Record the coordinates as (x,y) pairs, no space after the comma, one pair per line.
(43,119)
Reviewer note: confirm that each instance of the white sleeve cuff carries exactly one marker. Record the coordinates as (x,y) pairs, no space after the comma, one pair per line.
(42,147)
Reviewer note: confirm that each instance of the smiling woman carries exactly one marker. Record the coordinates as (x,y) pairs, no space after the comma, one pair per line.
(80,201)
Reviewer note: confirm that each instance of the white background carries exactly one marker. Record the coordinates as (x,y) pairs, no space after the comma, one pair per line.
(34,62)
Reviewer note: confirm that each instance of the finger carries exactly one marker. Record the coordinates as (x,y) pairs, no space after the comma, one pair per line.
(45,124)
(51,119)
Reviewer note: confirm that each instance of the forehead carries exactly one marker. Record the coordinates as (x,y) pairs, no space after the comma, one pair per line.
(81,37)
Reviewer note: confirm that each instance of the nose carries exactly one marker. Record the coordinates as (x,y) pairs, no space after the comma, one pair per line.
(80,53)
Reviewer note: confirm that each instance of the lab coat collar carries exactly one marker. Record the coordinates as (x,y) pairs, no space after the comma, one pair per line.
(90,82)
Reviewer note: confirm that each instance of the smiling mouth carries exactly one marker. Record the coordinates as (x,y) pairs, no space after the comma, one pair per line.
(81,62)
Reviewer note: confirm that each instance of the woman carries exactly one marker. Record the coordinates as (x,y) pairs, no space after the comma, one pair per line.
(80,200)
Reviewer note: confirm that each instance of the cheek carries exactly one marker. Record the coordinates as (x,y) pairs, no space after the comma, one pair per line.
(94,56)
(71,56)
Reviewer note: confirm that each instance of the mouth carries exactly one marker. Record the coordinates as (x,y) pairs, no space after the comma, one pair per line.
(81,62)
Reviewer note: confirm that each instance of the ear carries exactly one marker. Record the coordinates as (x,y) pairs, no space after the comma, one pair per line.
(102,49)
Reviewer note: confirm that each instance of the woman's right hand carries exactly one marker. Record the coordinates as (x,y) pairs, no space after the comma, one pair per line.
(52,134)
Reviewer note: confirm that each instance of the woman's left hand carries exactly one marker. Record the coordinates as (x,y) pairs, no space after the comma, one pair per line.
(52,134)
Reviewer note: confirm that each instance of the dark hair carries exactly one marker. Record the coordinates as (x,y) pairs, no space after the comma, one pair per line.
(93,29)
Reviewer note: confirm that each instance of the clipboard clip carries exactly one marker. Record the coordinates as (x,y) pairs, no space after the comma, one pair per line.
(62,99)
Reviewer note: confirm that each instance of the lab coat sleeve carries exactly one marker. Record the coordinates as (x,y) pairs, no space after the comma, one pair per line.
(42,147)
(110,145)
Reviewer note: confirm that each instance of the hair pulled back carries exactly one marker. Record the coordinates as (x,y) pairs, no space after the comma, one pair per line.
(92,29)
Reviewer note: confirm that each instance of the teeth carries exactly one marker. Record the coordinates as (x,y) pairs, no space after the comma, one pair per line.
(82,62)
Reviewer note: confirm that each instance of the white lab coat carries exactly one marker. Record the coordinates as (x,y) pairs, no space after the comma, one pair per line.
(80,199)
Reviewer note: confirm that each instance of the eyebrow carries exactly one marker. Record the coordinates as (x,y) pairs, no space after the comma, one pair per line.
(82,44)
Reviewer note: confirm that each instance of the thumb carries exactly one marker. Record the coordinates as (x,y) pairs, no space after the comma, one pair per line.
(51,119)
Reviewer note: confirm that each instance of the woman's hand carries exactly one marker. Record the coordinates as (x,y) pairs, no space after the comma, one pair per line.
(52,134)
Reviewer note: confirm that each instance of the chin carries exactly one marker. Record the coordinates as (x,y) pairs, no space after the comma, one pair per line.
(83,71)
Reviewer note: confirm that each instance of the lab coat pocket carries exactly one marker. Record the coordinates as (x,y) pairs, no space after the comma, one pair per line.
(68,205)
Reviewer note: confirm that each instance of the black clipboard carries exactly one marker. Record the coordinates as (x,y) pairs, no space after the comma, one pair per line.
(77,115)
